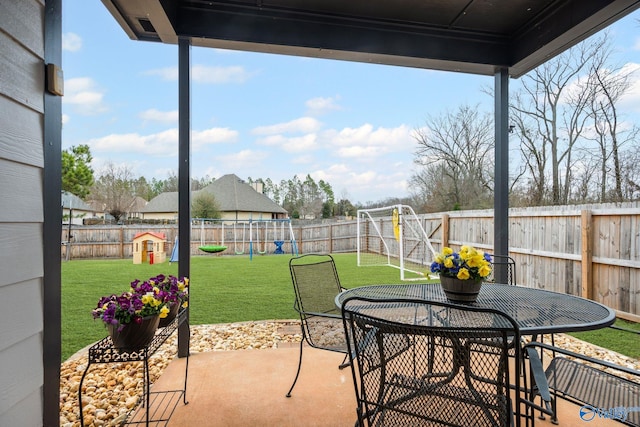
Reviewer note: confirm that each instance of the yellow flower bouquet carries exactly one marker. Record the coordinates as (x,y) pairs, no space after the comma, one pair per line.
(468,264)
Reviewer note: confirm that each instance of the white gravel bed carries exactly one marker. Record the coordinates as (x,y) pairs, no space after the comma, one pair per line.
(111,390)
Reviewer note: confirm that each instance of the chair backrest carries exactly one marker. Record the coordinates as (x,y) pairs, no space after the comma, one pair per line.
(316,284)
(503,270)
(455,372)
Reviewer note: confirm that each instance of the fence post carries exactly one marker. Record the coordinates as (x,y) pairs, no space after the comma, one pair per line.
(330,238)
(587,253)
(299,242)
(122,242)
(445,231)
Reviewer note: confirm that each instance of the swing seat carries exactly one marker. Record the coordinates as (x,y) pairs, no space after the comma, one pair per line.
(278,244)
(212,248)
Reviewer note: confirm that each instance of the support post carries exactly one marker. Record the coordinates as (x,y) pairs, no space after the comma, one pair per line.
(184,177)
(52,223)
(501,184)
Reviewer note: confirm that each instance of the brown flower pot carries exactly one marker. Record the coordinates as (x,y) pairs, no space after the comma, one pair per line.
(460,291)
(134,336)
(173,312)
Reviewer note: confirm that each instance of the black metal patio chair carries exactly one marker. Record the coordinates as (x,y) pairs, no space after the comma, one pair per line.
(601,388)
(316,284)
(450,376)
(503,270)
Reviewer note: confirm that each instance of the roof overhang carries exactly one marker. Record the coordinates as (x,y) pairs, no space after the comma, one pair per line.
(471,36)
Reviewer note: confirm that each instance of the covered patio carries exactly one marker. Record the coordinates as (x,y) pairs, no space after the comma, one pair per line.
(246,386)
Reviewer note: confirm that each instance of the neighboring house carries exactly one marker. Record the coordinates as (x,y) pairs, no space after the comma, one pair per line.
(135,207)
(236,201)
(132,210)
(164,207)
(75,207)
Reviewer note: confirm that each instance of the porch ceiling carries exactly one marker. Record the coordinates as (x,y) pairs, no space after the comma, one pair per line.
(472,36)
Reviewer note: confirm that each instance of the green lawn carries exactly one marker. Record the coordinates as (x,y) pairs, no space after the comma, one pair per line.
(627,343)
(233,289)
(223,289)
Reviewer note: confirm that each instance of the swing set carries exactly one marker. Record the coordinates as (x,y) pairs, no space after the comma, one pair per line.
(254,236)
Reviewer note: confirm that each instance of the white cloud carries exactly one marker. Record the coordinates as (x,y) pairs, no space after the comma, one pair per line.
(71,42)
(206,75)
(631,99)
(135,143)
(168,73)
(272,140)
(360,151)
(398,137)
(318,106)
(345,179)
(295,144)
(301,144)
(366,143)
(154,115)
(242,160)
(202,138)
(162,144)
(84,95)
(301,125)
(303,159)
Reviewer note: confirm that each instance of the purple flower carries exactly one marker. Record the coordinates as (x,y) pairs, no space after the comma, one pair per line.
(143,299)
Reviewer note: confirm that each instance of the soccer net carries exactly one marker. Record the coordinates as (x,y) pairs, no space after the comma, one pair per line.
(394,236)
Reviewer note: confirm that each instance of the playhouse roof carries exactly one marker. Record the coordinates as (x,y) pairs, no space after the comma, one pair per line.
(160,236)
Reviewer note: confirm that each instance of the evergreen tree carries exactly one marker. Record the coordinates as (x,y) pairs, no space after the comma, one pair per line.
(77,174)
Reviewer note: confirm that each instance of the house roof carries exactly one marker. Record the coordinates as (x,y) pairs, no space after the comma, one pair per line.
(163,202)
(231,193)
(471,36)
(137,204)
(72,201)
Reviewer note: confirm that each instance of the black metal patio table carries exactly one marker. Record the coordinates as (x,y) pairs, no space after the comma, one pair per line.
(537,311)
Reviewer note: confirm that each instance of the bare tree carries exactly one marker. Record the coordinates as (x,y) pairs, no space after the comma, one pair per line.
(550,114)
(114,189)
(631,168)
(454,158)
(607,85)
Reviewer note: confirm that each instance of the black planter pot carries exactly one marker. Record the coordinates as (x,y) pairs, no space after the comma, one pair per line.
(134,336)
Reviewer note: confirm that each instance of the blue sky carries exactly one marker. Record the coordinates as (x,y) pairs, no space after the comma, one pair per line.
(260,115)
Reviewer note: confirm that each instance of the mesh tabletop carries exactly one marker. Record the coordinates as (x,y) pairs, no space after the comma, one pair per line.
(537,311)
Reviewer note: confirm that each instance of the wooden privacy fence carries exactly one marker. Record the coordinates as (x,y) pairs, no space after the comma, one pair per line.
(591,252)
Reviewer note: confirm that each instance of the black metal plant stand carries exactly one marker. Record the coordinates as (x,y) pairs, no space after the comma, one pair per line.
(157,406)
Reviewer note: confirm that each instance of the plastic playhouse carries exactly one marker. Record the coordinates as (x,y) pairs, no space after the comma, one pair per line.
(149,247)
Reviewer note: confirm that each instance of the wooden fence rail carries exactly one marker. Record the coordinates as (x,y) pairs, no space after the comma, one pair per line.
(592,252)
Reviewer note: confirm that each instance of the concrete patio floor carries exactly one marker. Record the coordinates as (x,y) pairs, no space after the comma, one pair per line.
(247,388)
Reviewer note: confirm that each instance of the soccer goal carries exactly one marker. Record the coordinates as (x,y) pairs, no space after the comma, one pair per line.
(394,236)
